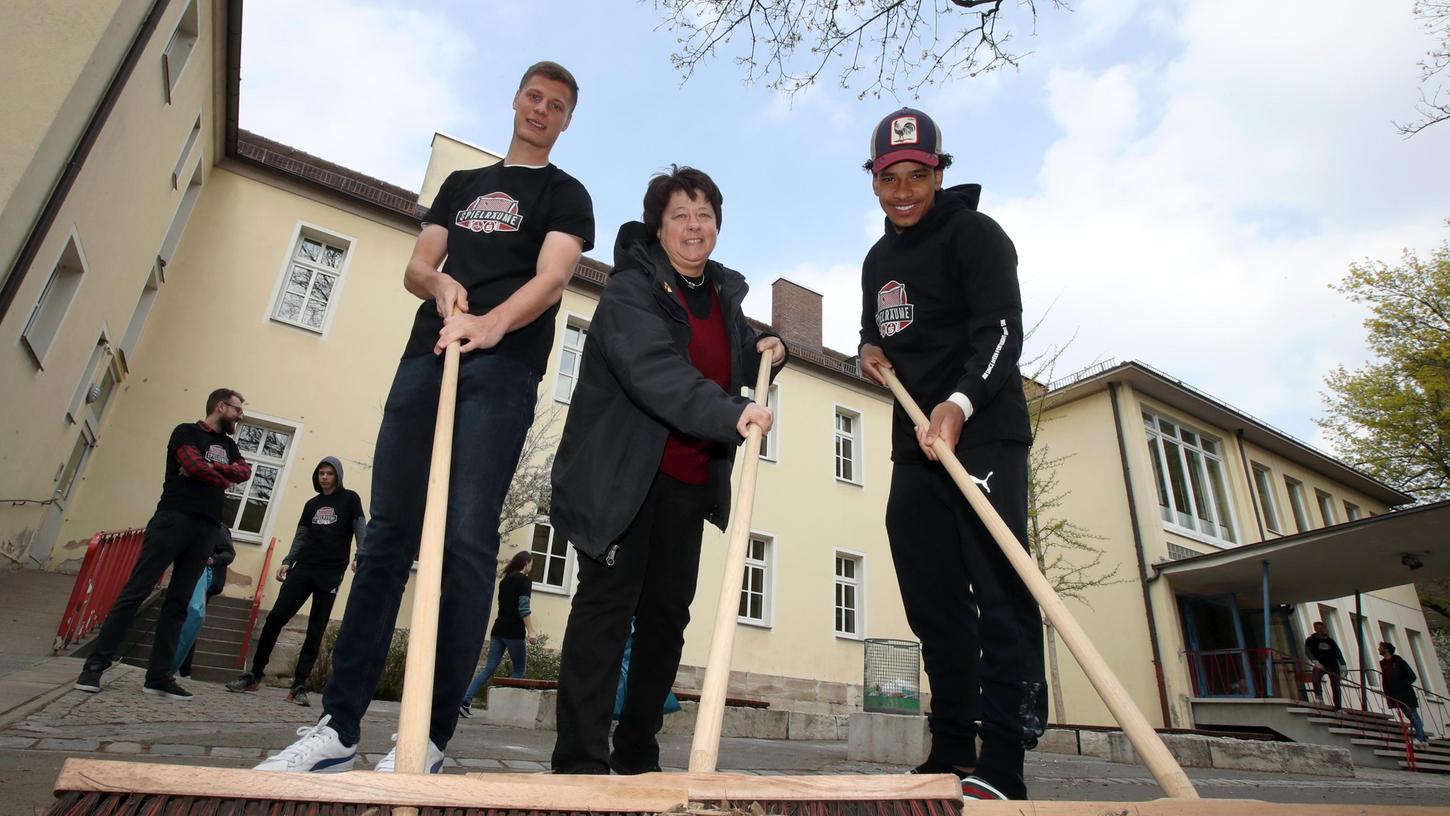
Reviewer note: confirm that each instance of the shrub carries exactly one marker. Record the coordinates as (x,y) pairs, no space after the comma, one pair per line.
(543,664)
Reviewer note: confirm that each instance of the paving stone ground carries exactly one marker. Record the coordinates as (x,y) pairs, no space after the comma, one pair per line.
(222,729)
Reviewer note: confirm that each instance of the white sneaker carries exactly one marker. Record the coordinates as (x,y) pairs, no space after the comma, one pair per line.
(319,751)
(435,759)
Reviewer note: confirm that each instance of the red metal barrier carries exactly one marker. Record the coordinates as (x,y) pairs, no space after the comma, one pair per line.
(110,557)
(256,604)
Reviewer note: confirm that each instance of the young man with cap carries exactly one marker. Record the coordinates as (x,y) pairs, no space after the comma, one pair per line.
(940,306)
(312,569)
(202,461)
(512,233)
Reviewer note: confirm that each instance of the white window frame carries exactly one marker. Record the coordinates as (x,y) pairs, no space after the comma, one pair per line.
(1415,642)
(767,567)
(191,139)
(68,273)
(1269,506)
(1297,503)
(312,232)
(1352,511)
(103,361)
(179,49)
(859,583)
(1326,507)
(144,303)
(858,459)
(770,444)
(568,556)
(284,468)
(1222,517)
(581,323)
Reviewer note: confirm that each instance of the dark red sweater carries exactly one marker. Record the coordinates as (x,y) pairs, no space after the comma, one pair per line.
(687,458)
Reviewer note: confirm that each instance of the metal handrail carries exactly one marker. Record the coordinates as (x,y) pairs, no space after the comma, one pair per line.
(256,604)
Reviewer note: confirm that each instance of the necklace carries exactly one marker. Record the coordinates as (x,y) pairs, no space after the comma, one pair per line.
(691,284)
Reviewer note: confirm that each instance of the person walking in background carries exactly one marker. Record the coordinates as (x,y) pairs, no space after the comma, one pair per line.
(1327,659)
(312,569)
(511,626)
(1400,688)
(202,461)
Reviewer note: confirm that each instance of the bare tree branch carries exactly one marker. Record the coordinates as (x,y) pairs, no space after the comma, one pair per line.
(1434,104)
(903,45)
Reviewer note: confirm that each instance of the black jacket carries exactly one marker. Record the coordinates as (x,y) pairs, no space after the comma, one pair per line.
(636,385)
(1400,681)
(941,299)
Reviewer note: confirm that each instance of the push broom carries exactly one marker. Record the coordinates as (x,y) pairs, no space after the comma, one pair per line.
(109,788)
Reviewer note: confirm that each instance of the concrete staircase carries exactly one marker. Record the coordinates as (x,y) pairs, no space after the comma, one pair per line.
(1379,734)
(217,645)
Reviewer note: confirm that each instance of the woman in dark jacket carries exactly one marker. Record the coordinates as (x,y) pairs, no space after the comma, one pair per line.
(644,461)
(1399,683)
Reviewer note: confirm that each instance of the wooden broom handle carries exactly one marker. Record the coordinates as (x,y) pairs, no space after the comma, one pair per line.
(1149,745)
(705,750)
(417,707)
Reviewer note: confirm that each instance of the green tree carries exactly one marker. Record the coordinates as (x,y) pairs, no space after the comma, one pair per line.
(883,46)
(1391,417)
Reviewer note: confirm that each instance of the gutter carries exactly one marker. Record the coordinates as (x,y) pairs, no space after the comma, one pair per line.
(72,168)
(1142,559)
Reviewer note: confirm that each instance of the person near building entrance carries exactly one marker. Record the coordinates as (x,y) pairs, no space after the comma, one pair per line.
(202,461)
(1400,688)
(512,233)
(644,461)
(513,627)
(312,569)
(1327,659)
(940,306)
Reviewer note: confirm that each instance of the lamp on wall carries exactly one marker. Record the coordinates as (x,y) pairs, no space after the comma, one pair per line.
(1411,560)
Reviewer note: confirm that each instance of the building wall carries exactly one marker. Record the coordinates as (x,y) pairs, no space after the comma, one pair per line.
(116,217)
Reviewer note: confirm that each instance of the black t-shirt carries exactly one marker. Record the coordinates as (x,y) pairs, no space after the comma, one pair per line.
(329,521)
(509,623)
(497,218)
(183,494)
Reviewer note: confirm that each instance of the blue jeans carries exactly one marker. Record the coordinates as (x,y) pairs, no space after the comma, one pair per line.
(518,657)
(496,397)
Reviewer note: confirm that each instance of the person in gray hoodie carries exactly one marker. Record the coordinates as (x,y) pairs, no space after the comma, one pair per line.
(313,568)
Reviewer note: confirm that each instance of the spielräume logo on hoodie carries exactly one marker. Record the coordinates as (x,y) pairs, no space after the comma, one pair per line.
(894,312)
(491,212)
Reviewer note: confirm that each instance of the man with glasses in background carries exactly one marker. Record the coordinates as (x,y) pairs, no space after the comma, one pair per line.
(202,461)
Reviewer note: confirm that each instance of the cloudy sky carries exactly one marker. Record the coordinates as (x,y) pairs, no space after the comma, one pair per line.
(1183,180)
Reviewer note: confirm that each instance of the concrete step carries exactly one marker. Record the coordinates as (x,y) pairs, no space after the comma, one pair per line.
(1423,766)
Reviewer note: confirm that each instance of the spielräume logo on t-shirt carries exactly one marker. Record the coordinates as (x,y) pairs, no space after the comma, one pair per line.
(218,454)
(491,212)
(893,311)
(324,515)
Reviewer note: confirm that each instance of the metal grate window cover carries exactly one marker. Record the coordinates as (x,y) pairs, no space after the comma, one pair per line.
(892,682)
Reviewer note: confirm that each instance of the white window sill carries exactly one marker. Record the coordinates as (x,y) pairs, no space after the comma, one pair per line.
(1195,535)
(850,482)
(550,589)
(751,622)
(848,636)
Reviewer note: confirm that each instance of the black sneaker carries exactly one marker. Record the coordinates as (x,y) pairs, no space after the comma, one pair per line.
(166,688)
(976,788)
(465,710)
(298,696)
(247,682)
(90,680)
(931,766)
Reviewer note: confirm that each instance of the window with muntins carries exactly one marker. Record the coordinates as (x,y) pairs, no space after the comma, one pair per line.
(551,558)
(755,586)
(571,354)
(1264,486)
(265,445)
(1189,472)
(848,446)
(848,594)
(770,443)
(310,285)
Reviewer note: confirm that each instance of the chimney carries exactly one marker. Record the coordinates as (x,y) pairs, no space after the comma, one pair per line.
(795,312)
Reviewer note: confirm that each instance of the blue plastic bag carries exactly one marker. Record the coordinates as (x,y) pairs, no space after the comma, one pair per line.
(195,615)
(671,704)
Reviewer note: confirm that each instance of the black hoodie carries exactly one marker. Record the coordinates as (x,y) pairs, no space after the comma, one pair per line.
(636,385)
(328,524)
(941,300)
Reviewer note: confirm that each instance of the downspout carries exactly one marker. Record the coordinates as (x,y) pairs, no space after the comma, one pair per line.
(72,169)
(1142,560)
(1253,489)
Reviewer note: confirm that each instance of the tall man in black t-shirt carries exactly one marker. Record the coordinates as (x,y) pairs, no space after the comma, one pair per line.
(313,568)
(201,462)
(940,306)
(512,233)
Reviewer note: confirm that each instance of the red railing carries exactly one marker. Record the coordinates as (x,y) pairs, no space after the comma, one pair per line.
(256,604)
(1241,673)
(110,557)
